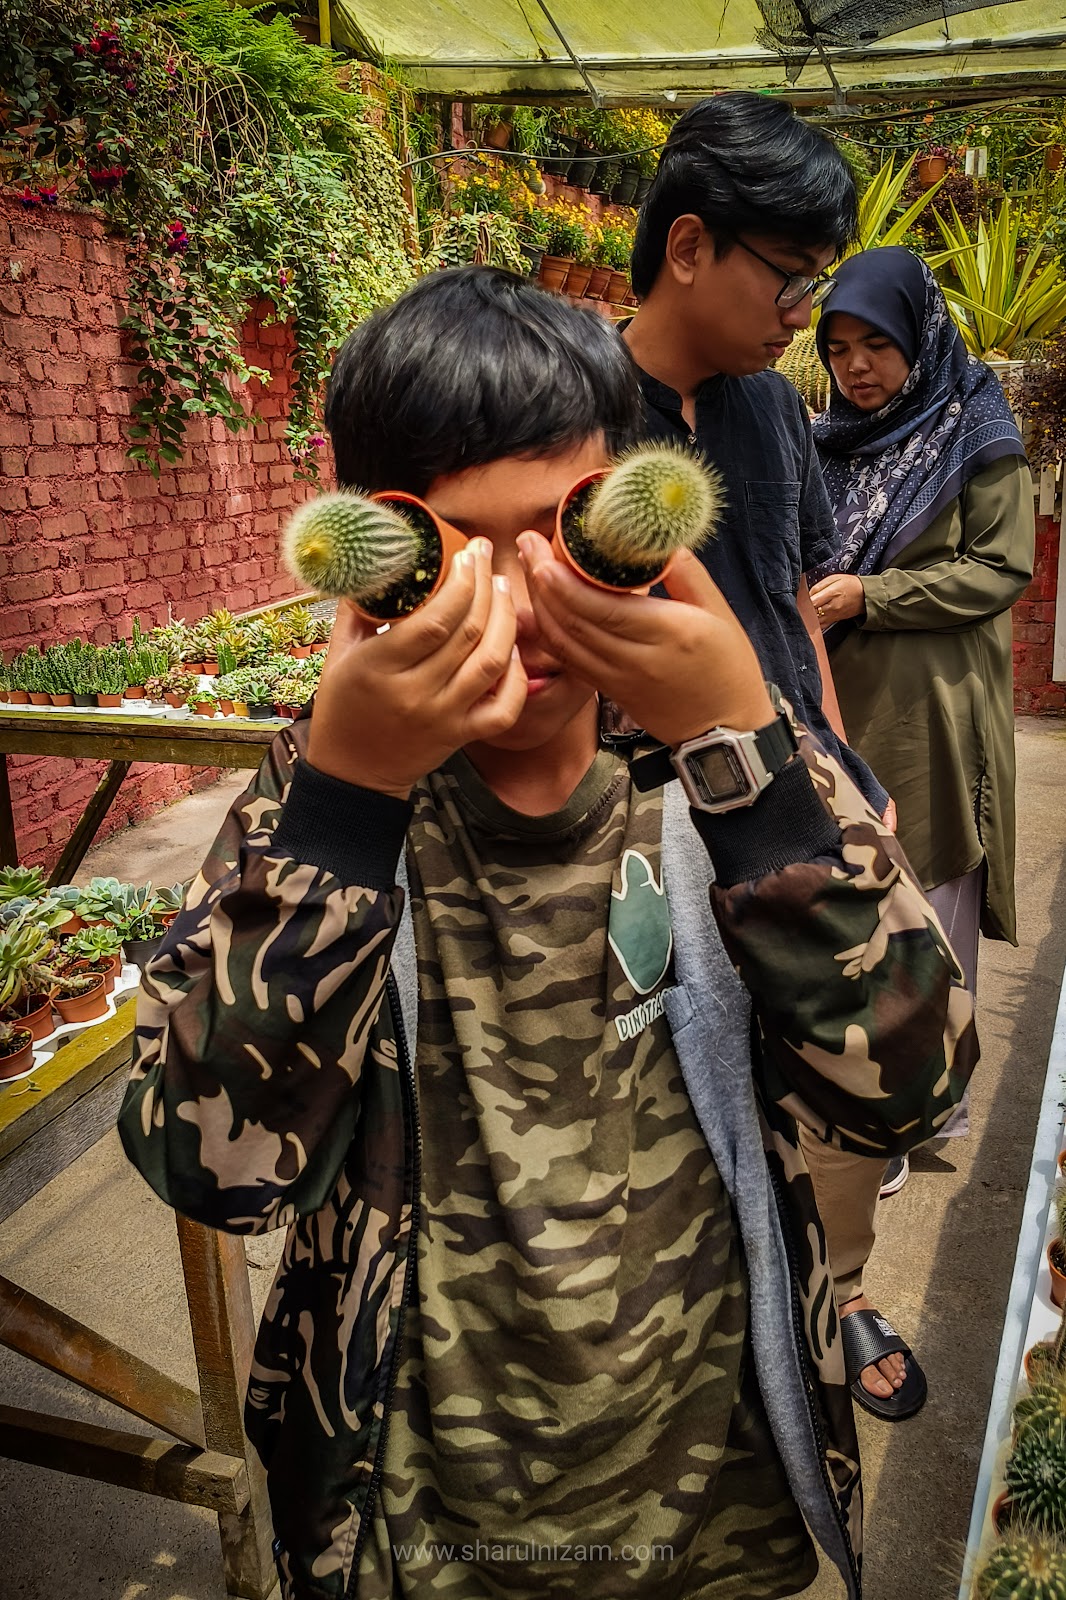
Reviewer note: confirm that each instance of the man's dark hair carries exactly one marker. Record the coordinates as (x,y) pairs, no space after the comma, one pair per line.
(470,366)
(745,163)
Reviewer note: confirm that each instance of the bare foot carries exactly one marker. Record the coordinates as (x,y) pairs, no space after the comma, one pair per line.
(884,1378)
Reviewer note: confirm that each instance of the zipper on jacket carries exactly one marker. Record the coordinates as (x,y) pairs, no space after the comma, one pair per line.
(407,1080)
(808,1386)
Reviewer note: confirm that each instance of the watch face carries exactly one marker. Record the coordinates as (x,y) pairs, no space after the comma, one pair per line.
(719,775)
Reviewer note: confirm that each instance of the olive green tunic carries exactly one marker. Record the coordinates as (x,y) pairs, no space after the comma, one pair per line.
(926,685)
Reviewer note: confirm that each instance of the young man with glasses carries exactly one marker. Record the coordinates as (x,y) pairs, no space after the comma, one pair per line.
(749,208)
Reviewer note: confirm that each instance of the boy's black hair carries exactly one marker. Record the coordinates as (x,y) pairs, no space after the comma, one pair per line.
(745,163)
(467,367)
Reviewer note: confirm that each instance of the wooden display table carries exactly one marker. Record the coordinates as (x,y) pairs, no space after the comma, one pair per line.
(120,739)
(46,1122)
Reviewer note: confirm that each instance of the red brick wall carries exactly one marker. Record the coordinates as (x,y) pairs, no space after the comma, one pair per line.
(1034,629)
(87,539)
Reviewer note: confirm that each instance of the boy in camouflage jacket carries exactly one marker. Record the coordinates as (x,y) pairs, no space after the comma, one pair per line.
(515,1052)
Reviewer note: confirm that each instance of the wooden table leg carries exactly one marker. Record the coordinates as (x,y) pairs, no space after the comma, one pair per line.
(223,1333)
(89,822)
(9,855)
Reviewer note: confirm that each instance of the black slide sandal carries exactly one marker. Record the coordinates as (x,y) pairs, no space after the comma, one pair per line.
(868,1338)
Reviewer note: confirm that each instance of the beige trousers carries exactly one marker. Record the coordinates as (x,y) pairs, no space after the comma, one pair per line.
(846,1190)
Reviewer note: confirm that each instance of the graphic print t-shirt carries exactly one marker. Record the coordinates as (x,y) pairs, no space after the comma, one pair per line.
(573,1414)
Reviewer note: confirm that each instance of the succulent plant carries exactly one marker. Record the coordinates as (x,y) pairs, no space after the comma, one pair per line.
(656,500)
(1023,1566)
(17,882)
(1035,1477)
(802,366)
(348,546)
(1043,1407)
(92,944)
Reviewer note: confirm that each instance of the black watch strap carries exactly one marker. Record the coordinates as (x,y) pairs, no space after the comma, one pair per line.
(776,744)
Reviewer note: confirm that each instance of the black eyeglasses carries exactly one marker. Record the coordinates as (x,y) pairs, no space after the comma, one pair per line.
(797,284)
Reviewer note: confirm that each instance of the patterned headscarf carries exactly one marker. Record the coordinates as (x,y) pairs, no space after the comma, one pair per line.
(890,472)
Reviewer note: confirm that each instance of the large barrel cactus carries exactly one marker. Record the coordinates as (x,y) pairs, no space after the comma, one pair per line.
(1023,1566)
(385,556)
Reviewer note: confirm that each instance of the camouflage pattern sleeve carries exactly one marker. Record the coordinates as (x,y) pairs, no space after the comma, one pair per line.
(253,1019)
(866,1025)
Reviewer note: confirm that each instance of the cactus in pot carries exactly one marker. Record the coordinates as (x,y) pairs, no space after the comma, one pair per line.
(386,556)
(1035,1478)
(621,528)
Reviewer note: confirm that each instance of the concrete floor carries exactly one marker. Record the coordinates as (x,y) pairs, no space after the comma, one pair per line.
(97,1243)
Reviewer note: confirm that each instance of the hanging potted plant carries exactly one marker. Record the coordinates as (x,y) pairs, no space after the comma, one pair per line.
(16,1050)
(932,164)
(619,528)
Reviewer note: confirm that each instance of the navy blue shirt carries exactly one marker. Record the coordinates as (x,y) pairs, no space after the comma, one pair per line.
(777,525)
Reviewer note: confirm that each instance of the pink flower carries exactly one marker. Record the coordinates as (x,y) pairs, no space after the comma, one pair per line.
(283,277)
(28,198)
(317,441)
(50,197)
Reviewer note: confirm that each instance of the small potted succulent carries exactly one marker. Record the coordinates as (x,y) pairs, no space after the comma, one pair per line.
(302,630)
(81,997)
(1035,1479)
(204,702)
(178,685)
(167,901)
(96,899)
(21,883)
(16,1050)
(133,919)
(620,528)
(259,698)
(97,949)
(26,983)
(387,554)
(110,675)
(323,629)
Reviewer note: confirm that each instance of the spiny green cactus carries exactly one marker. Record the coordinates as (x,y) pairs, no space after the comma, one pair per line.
(350,547)
(657,499)
(1035,1477)
(802,366)
(1023,1566)
(1043,1407)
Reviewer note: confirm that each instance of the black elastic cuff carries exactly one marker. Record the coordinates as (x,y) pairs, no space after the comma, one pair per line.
(357,834)
(786,825)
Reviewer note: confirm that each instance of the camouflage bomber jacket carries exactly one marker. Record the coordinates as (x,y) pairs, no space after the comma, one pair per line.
(272,1087)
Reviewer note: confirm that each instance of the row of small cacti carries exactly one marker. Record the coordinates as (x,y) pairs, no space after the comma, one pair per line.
(1029,1562)
(655,501)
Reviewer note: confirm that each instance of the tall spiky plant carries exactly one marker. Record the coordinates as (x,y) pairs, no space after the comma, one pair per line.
(999,303)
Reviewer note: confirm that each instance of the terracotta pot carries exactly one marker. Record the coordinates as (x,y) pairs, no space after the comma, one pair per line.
(451,542)
(1062,1163)
(202,708)
(563,553)
(83,1007)
(578,281)
(164,918)
(554,271)
(135,691)
(618,288)
(109,699)
(1058,1274)
(195,667)
(38,699)
(38,1018)
(3,697)
(1028,1366)
(320,647)
(1053,157)
(74,924)
(61,699)
(16,1062)
(173,698)
(18,697)
(226,707)
(210,669)
(108,973)
(498,137)
(930,170)
(599,278)
(300,652)
(1001,1512)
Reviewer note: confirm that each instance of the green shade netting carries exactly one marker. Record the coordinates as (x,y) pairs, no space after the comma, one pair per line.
(644,49)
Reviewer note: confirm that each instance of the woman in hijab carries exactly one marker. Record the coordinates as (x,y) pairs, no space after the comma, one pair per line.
(934,510)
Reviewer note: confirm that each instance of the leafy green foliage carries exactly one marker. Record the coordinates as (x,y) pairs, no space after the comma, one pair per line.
(238,168)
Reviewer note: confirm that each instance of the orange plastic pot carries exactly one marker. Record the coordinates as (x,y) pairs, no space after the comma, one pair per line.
(109,699)
(451,542)
(300,652)
(930,170)
(617,289)
(173,698)
(83,1007)
(62,699)
(18,697)
(134,692)
(319,648)
(39,699)
(599,278)
(38,1017)
(564,553)
(16,1062)
(1058,1274)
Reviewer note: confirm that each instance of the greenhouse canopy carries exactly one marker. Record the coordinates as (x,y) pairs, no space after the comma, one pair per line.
(814,51)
